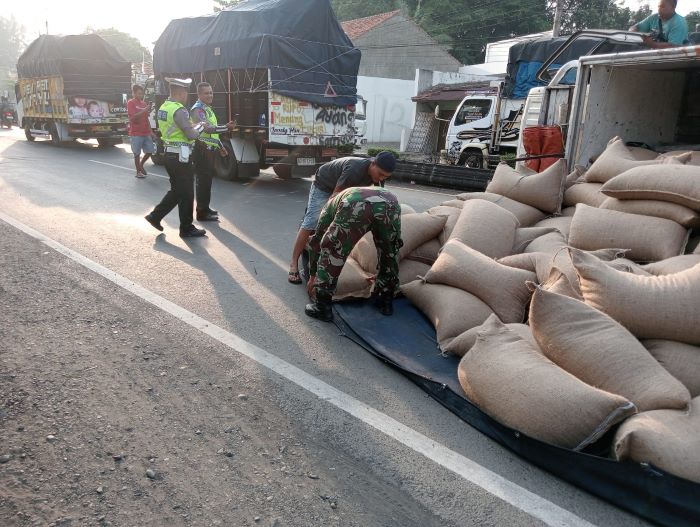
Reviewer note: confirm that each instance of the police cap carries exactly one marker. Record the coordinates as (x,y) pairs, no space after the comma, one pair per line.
(183,83)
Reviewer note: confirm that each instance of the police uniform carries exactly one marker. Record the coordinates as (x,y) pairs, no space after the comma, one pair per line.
(206,151)
(178,137)
(344,220)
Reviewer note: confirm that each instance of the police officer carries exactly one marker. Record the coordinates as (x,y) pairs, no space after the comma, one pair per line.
(206,149)
(344,220)
(178,135)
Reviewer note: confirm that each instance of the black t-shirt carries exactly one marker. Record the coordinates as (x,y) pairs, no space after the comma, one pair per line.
(344,172)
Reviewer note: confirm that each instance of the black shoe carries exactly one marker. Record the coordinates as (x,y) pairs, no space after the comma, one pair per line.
(320,311)
(192,232)
(208,216)
(156,223)
(385,303)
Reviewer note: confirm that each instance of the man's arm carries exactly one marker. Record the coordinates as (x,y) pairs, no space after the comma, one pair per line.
(182,120)
(133,114)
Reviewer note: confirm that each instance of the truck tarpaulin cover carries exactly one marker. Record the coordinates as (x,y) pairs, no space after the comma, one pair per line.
(89,65)
(301,42)
(525,58)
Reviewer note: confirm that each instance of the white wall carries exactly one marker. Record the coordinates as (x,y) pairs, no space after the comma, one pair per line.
(389,107)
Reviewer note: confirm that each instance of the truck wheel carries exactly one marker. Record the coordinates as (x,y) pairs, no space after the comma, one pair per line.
(473,160)
(106,142)
(283,171)
(28,133)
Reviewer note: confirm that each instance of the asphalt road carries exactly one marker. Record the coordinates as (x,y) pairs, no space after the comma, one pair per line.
(420,464)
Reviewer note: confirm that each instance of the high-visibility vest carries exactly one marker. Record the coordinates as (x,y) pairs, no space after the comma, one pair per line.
(211,140)
(171,134)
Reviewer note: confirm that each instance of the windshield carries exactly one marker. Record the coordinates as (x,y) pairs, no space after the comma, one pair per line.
(472,110)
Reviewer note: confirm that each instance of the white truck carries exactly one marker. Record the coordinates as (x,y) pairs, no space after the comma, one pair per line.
(647,97)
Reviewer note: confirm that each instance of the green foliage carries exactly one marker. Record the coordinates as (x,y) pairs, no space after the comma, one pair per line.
(600,14)
(351,9)
(11,46)
(347,148)
(129,47)
(374,150)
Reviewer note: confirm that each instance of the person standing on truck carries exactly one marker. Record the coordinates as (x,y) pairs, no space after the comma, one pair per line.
(666,28)
(344,220)
(206,149)
(331,178)
(140,133)
(178,137)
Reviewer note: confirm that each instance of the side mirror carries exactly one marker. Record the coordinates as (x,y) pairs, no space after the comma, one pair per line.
(437,111)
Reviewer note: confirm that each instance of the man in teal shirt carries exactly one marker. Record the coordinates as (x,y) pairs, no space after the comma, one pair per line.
(668,29)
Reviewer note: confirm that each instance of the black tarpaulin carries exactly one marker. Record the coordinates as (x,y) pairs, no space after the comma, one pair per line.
(89,65)
(407,341)
(301,43)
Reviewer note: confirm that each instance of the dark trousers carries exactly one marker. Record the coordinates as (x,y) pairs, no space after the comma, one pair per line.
(181,191)
(204,160)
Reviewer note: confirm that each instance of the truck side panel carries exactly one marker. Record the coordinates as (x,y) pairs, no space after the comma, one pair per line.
(43,98)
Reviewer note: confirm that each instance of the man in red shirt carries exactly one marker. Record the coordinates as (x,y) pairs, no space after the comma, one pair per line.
(140,129)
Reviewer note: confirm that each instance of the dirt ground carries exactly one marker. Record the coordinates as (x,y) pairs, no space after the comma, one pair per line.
(113,414)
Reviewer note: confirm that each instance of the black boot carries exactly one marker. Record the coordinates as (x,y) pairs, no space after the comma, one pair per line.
(384,303)
(322,309)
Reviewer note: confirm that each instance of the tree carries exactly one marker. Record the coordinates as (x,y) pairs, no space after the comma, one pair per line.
(692,19)
(11,45)
(129,47)
(599,14)
(351,9)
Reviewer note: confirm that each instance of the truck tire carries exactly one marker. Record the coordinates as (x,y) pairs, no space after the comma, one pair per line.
(473,159)
(28,133)
(283,171)
(55,138)
(106,142)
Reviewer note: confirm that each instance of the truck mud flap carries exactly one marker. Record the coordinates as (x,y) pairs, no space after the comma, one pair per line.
(641,489)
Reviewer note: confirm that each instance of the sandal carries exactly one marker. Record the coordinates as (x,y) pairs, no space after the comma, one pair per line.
(294,277)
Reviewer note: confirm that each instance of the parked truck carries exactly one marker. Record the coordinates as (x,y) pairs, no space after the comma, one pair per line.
(486,127)
(285,71)
(73,87)
(646,97)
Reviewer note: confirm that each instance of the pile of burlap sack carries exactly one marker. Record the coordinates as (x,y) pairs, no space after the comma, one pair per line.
(570,321)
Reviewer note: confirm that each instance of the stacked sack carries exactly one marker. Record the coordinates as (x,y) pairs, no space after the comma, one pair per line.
(612,340)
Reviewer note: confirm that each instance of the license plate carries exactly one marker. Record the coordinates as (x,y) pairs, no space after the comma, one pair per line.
(306,161)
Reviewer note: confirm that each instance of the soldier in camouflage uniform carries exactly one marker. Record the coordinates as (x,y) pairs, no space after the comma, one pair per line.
(344,220)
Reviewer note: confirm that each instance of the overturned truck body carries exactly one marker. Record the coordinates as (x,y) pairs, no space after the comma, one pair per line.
(285,71)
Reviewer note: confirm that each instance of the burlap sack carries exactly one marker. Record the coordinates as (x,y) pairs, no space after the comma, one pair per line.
(416,229)
(526,261)
(651,307)
(410,270)
(674,183)
(599,351)
(426,253)
(526,214)
(628,266)
(451,310)
(667,439)
(407,209)
(559,283)
(673,265)
(642,154)
(576,174)
(659,209)
(568,211)
(617,159)
(515,384)
(451,214)
(697,246)
(486,227)
(549,243)
(543,190)
(461,345)
(582,192)
(500,287)
(679,359)
(525,235)
(560,223)
(648,239)
(694,156)
(353,282)
(456,203)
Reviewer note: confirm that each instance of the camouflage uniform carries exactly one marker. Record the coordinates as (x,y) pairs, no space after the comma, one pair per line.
(344,220)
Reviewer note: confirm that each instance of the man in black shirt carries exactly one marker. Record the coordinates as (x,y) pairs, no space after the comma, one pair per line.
(330,179)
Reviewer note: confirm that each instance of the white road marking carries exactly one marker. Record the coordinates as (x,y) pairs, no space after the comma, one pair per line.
(125,168)
(500,487)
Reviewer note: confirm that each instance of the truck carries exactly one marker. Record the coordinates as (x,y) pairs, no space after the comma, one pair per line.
(486,127)
(646,97)
(284,71)
(73,87)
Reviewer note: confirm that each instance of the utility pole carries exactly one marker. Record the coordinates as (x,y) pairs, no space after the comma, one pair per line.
(558,11)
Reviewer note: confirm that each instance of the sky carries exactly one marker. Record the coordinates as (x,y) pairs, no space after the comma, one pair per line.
(146,20)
